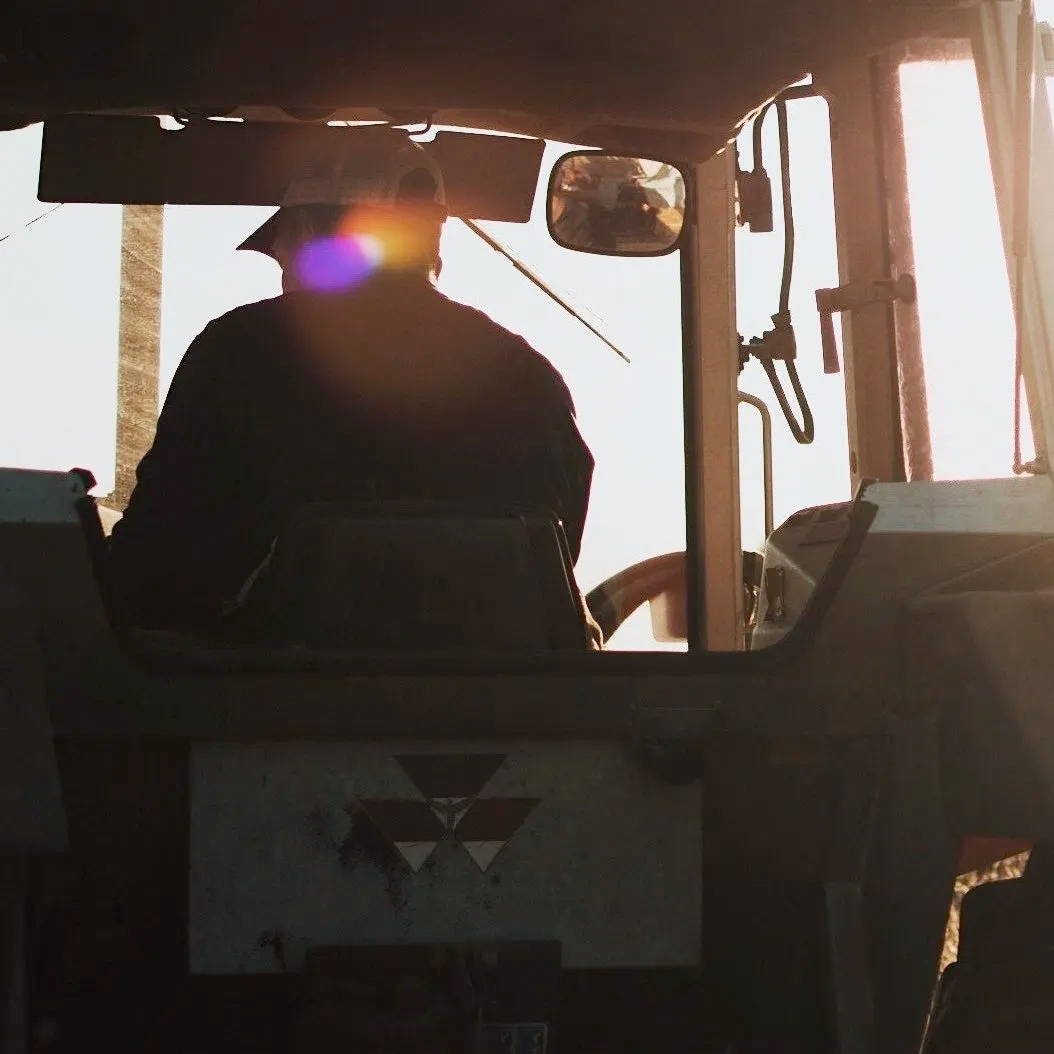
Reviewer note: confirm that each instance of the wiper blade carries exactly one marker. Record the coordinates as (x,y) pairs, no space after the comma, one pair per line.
(537,280)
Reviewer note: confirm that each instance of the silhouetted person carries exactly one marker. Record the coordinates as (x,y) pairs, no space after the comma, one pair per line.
(360,382)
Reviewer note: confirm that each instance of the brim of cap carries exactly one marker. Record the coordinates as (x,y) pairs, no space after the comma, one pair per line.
(263,238)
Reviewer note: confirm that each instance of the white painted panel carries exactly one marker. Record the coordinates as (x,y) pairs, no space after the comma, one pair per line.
(29,496)
(991,506)
(297,840)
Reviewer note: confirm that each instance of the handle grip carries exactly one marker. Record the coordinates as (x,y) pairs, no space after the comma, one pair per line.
(829,344)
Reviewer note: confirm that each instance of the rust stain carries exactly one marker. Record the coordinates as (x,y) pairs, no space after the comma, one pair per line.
(364,844)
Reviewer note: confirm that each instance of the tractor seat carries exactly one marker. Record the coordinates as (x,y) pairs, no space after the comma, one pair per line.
(414,577)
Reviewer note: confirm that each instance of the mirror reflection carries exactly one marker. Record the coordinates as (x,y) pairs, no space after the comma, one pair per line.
(618,206)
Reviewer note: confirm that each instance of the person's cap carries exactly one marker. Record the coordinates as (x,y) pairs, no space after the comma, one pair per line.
(378,168)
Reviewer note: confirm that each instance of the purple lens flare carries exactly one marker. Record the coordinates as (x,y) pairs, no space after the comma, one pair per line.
(338,263)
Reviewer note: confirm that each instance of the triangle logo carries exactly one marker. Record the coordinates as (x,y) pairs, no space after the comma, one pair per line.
(483,853)
(494,819)
(449,776)
(415,853)
(411,826)
(450,811)
(488,824)
(451,808)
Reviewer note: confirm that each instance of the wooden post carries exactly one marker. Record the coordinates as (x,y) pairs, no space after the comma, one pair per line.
(139,355)
(914,408)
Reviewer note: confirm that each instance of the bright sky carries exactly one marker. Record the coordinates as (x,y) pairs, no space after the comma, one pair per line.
(58,331)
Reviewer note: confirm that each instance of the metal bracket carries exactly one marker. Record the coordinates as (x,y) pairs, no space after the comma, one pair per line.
(856,294)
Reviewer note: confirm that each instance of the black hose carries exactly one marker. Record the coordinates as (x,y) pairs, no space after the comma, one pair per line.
(758,159)
(804,433)
(788,208)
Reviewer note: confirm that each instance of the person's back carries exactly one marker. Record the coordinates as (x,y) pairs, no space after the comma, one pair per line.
(383,390)
(389,393)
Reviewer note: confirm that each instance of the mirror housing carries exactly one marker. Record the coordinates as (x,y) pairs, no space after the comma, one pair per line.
(615,206)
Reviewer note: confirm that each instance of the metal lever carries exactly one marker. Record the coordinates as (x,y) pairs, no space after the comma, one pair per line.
(745,399)
(856,294)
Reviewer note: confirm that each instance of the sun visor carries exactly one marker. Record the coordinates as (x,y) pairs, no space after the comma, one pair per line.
(134,161)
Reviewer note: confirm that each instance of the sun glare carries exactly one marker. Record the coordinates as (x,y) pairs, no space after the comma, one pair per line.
(339,262)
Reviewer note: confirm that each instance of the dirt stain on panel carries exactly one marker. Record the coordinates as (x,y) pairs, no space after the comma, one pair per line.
(366,844)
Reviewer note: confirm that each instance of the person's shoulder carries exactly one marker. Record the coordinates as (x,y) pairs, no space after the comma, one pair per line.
(222,347)
(471,316)
(259,313)
(517,351)
(229,338)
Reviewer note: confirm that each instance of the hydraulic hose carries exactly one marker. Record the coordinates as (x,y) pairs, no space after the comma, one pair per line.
(788,207)
(779,344)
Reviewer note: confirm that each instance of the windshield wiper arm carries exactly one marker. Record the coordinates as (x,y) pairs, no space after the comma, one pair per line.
(540,283)
(29,223)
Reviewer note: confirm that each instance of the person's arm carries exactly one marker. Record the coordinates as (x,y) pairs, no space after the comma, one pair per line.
(167,564)
(578,472)
(574,462)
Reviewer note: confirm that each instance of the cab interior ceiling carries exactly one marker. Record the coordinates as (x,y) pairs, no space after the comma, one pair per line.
(672,81)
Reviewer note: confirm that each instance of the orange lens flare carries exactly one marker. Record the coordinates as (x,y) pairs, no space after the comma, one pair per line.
(402,239)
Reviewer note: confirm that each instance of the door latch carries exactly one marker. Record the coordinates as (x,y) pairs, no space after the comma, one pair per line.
(847,297)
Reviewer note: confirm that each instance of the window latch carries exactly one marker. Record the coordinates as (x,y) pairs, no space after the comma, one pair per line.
(856,294)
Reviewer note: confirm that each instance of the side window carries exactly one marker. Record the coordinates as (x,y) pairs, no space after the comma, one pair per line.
(60,266)
(60,274)
(965,309)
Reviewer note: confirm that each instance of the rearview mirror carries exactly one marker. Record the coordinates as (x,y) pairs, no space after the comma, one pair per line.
(616,206)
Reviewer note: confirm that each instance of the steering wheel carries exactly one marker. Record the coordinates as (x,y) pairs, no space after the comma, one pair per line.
(616,598)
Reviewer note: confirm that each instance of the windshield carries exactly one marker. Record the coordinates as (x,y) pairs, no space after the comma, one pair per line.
(61,269)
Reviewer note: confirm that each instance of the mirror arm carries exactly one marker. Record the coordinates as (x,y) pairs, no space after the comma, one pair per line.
(540,283)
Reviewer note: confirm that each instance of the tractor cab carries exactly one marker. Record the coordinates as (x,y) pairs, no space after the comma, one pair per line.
(409,800)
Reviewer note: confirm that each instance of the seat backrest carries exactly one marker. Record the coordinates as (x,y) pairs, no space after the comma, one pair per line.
(416,577)
(32,812)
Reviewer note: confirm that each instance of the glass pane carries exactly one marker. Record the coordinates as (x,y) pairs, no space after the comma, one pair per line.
(203,277)
(965,311)
(631,414)
(59,332)
(60,276)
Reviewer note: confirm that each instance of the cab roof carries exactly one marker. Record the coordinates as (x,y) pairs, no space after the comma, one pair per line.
(673,79)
